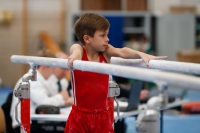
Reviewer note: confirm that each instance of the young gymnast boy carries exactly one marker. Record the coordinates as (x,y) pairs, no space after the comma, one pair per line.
(89,113)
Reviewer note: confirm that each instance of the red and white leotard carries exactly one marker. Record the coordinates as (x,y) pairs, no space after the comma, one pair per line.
(90,89)
(89,113)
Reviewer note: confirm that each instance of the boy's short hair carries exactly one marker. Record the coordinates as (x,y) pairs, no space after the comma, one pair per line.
(88,24)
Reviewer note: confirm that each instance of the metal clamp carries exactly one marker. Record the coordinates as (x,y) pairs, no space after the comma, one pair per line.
(31,75)
(163,95)
(114,91)
(148,121)
(162,86)
(23,90)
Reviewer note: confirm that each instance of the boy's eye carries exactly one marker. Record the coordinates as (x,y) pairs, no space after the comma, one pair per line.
(103,35)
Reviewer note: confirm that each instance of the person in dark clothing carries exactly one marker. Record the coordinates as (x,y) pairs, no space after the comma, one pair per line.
(124,92)
(6,109)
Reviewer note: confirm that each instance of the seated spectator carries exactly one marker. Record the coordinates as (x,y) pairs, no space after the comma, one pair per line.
(59,82)
(144,45)
(125,86)
(40,91)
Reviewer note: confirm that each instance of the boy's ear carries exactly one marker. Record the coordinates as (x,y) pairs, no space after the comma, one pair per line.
(86,39)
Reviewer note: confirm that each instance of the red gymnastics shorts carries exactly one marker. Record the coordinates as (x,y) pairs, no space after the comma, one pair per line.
(88,121)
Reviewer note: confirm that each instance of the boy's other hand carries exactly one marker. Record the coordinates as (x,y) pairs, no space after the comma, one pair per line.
(146,58)
(76,52)
(70,62)
(71,59)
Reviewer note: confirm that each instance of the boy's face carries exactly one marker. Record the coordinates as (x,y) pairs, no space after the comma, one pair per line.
(100,40)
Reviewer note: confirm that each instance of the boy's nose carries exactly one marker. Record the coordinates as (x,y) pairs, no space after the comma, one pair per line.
(107,39)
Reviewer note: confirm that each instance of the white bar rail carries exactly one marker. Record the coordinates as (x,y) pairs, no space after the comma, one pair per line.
(172,79)
(190,68)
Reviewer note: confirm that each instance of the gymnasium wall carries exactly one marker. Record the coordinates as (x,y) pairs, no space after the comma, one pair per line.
(47,15)
(163,6)
(42,15)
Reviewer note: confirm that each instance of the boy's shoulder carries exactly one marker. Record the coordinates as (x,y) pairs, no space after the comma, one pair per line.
(107,53)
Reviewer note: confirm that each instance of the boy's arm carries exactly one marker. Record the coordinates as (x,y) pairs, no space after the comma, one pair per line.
(128,53)
(76,52)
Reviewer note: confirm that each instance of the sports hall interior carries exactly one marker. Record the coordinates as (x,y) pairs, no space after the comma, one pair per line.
(158,27)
